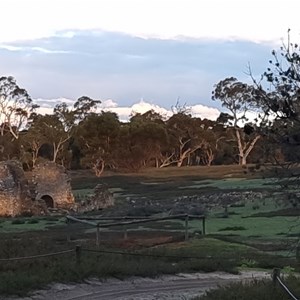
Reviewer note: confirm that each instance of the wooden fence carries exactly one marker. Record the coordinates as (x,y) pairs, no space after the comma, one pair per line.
(99,222)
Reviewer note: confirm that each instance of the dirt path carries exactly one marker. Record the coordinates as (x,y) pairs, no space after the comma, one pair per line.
(180,286)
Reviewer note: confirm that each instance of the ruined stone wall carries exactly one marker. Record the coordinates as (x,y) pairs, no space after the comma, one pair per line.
(52,181)
(14,191)
(100,199)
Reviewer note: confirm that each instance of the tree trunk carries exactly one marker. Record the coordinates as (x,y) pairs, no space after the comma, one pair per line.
(244,150)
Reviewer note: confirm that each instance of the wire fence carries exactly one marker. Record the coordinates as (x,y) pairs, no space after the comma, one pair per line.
(276,278)
(78,252)
(99,223)
(36,256)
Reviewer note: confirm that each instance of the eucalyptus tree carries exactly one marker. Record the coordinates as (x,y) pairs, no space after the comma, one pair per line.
(47,129)
(97,136)
(16,106)
(148,132)
(186,137)
(239,99)
(278,93)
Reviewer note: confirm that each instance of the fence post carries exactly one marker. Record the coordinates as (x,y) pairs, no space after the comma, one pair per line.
(68,231)
(125,233)
(275,274)
(203,225)
(298,253)
(98,235)
(186,236)
(78,254)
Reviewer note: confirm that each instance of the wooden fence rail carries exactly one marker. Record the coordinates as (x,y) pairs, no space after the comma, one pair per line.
(132,220)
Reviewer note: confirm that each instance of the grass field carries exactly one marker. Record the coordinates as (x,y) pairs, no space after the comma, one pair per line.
(244,233)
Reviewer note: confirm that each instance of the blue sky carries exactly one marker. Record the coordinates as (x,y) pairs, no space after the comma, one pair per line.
(139,52)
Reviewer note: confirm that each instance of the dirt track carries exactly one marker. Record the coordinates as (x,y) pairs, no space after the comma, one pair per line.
(180,286)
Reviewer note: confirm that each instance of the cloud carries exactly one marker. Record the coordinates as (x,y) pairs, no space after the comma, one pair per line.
(108,104)
(125,112)
(204,112)
(110,65)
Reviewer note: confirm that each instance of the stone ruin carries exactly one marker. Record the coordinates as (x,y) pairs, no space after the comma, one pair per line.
(101,198)
(52,185)
(14,190)
(48,189)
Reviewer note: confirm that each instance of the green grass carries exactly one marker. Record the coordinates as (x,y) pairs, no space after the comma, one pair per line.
(29,224)
(233,183)
(241,239)
(255,289)
(207,254)
(263,227)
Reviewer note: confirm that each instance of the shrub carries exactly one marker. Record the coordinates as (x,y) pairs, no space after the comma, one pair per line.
(32,221)
(232,228)
(256,289)
(51,219)
(17,221)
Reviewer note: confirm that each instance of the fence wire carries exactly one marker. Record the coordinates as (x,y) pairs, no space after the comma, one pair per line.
(286,288)
(36,256)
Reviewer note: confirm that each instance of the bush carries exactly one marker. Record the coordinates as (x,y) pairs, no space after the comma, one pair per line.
(256,289)
(51,219)
(18,221)
(233,228)
(32,221)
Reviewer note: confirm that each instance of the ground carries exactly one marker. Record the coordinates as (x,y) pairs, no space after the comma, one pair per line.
(247,226)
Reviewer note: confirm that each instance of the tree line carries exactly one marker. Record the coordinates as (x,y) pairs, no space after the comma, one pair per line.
(83,136)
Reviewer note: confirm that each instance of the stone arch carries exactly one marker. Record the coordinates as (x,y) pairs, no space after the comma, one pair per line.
(48,199)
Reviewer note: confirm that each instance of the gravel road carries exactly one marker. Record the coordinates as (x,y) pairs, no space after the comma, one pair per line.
(175,287)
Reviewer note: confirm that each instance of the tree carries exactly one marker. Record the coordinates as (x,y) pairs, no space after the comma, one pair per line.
(185,138)
(148,132)
(97,135)
(239,99)
(84,106)
(16,107)
(47,129)
(278,94)
(212,135)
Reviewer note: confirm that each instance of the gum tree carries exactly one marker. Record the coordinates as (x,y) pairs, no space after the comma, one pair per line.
(16,106)
(238,99)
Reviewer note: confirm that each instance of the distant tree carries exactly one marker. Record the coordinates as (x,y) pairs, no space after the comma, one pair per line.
(239,99)
(212,136)
(84,106)
(47,129)
(96,135)
(16,106)
(186,137)
(148,132)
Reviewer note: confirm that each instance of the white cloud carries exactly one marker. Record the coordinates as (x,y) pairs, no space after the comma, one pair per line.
(256,20)
(141,107)
(204,112)
(108,104)
(124,112)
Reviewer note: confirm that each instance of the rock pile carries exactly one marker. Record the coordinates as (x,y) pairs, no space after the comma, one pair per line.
(101,198)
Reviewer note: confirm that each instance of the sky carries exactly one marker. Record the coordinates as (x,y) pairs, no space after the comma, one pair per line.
(135,55)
